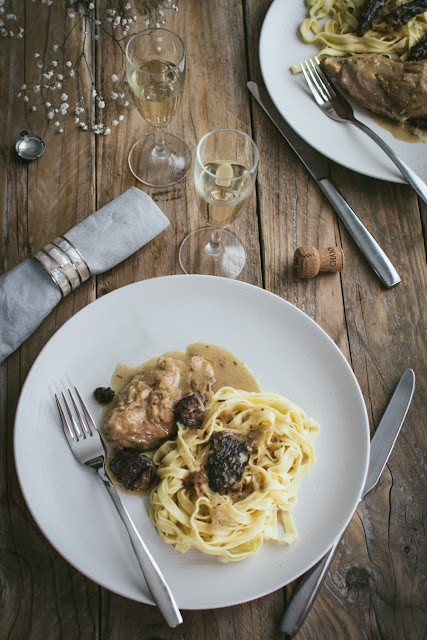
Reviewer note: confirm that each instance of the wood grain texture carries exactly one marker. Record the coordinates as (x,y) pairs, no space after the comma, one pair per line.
(376,586)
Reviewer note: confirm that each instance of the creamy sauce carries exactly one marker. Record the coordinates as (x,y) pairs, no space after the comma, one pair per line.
(229,370)
(399,130)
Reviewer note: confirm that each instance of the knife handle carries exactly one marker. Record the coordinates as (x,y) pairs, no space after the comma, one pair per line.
(361,236)
(306,593)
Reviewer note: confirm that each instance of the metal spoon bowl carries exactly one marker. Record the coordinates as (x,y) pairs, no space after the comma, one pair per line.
(29,146)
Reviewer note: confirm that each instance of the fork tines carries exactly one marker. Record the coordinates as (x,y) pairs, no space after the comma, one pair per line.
(319,84)
(72,429)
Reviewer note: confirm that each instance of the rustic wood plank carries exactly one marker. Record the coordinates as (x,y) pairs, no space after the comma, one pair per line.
(42,596)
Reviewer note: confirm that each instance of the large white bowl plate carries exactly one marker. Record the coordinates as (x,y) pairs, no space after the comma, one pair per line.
(289,354)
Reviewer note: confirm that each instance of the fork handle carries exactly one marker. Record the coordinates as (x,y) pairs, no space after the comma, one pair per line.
(413,179)
(361,236)
(152,574)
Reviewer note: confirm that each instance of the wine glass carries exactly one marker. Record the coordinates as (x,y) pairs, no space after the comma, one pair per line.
(224,175)
(155,68)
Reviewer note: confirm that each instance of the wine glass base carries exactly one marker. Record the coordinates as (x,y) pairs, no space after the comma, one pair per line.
(195,255)
(159,172)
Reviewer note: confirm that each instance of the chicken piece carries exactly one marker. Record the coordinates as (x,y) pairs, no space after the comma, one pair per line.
(144,415)
(397,90)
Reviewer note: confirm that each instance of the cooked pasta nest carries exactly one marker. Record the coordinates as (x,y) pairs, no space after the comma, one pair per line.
(233,524)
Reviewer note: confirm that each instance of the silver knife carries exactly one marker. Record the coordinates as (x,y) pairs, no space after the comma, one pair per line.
(317,166)
(382,444)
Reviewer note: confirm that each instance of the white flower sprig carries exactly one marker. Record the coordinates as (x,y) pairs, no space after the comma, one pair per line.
(57,72)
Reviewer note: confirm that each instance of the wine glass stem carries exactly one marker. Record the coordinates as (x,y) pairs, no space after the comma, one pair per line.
(160,152)
(214,247)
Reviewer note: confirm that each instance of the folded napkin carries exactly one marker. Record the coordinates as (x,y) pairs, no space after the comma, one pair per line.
(30,291)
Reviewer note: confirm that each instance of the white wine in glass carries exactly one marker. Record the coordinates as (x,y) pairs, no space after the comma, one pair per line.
(224,174)
(155,67)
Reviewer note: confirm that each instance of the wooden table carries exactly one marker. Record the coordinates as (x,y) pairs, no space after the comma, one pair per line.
(376,587)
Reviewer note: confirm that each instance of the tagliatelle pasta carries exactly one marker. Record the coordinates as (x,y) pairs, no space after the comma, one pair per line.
(332,25)
(233,524)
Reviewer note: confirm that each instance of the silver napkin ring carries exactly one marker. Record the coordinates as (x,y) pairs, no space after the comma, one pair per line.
(65,265)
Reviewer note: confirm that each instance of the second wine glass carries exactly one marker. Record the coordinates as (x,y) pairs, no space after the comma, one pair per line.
(225,169)
(155,68)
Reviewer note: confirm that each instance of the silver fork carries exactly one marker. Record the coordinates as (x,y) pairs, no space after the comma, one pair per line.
(333,103)
(88,447)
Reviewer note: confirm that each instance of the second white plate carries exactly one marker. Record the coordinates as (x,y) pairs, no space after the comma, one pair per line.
(280,47)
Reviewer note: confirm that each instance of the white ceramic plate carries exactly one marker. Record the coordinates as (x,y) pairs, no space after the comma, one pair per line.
(281,47)
(288,353)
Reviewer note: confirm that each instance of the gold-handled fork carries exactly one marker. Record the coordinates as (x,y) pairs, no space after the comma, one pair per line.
(88,447)
(334,104)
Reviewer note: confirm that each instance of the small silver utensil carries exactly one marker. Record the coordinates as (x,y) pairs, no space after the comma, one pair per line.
(89,449)
(29,146)
(382,445)
(334,105)
(317,165)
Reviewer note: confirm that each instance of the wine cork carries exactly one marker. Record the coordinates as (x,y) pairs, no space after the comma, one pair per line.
(308,261)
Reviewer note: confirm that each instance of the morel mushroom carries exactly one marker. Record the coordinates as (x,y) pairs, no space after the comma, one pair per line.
(228,456)
(189,410)
(134,471)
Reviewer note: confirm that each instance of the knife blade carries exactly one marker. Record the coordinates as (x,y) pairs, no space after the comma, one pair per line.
(382,445)
(317,165)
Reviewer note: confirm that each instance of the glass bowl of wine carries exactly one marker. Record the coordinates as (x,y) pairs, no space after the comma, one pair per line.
(155,69)
(225,170)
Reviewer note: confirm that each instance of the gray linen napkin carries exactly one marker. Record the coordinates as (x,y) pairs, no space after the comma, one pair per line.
(27,292)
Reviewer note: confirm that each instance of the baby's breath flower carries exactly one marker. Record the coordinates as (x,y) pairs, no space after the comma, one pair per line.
(113,16)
